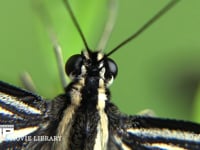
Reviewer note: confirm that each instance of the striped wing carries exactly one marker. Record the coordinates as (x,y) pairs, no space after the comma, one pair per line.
(139,132)
(23,110)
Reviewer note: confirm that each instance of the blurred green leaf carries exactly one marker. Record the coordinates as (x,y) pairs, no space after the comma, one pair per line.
(196,111)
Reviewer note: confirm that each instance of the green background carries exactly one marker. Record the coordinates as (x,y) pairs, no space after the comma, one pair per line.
(159,70)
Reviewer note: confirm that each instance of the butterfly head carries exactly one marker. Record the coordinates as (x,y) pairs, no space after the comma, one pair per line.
(90,64)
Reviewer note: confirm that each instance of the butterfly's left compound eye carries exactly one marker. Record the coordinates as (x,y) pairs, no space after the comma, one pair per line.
(73,65)
(112,67)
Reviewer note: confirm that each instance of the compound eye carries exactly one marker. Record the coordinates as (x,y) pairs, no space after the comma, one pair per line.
(73,65)
(112,67)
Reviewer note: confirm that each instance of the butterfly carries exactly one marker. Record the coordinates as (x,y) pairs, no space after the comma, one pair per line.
(83,117)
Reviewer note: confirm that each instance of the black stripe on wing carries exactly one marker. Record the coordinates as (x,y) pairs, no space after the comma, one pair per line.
(20,123)
(154,133)
(24,96)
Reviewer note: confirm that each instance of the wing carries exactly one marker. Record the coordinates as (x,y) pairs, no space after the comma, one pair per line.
(139,132)
(150,133)
(21,110)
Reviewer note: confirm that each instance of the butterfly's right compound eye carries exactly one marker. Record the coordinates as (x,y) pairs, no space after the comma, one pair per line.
(73,65)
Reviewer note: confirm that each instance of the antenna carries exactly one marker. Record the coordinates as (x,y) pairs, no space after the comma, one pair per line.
(76,24)
(146,25)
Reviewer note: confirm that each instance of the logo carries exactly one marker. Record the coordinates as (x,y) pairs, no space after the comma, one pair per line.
(5,130)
